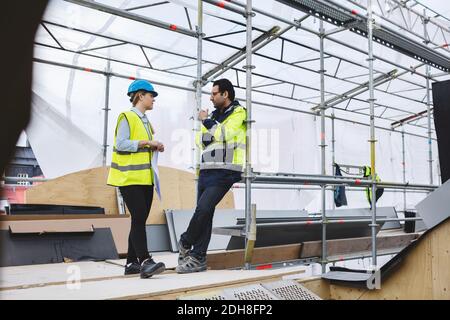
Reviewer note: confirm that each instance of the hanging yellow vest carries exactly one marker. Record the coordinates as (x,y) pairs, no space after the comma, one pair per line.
(132,168)
(227,149)
(368,175)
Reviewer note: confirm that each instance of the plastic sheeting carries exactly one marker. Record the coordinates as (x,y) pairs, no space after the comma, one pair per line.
(67,126)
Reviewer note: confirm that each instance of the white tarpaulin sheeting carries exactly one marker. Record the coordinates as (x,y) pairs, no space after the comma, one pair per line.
(67,128)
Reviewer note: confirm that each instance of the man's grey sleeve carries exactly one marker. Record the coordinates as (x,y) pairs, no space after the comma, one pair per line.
(123,142)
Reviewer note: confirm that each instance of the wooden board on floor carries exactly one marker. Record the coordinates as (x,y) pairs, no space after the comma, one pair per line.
(167,284)
(89,188)
(20,277)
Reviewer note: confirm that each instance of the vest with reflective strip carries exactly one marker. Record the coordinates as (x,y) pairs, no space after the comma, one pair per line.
(369,190)
(132,168)
(227,149)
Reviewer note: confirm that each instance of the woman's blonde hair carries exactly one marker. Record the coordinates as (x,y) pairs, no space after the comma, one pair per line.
(135,96)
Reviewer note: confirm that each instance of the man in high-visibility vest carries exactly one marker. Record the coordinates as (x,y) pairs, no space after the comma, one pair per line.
(222,142)
(378,192)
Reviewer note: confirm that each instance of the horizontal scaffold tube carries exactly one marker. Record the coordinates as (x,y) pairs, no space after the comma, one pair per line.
(262,178)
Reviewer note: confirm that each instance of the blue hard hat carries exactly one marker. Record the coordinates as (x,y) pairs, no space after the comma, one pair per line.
(141,85)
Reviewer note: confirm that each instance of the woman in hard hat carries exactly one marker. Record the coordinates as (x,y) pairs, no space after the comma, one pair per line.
(131,171)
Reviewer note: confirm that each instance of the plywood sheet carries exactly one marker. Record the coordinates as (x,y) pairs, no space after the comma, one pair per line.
(89,188)
(40,229)
(423,273)
(84,188)
(57,273)
(44,274)
(135,288)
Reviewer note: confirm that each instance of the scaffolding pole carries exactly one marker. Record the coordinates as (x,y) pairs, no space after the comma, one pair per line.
(135,17)
(404,167)
(370,24)
(329,188)
(225,5)
(198,91)
(323,145)
(333,153)
(106,109)
(248,164)
(295,179)
(428,74)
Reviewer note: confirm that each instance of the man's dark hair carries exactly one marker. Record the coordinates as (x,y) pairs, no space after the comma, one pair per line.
(225,85)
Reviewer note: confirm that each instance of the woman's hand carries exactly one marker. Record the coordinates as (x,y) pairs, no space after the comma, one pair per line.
(152,144)
(156,145)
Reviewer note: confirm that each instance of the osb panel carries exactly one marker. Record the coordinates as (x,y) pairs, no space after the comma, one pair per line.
(318,286)
(89,188)
(423,274)
(440,258)
(83,188)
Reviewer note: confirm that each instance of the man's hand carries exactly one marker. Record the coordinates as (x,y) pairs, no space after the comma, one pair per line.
(203,114)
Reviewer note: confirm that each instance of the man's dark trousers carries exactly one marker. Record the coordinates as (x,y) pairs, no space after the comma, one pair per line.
(199,231)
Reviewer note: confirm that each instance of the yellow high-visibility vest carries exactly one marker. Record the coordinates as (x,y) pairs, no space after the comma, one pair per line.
(132,168)
(368,175)
(227,149)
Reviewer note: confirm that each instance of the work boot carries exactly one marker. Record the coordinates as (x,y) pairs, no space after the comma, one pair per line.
(183,252)
(191,264)
(132,268)
(149,268)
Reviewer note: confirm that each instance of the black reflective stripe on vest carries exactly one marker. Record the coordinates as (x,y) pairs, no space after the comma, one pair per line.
(131,167)
(140,150)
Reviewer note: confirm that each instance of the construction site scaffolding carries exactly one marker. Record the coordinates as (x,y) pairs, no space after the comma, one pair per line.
(252,46)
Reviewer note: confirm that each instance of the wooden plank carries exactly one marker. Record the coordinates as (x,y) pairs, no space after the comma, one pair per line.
(32,276)
(89,188)
(40,229)
(235,258)
(160,285)
(83,188)
(199,292)
(57,217)
(347,246)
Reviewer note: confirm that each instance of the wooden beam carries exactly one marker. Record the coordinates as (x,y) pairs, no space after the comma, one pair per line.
(235,258)
(310,249)
(352,245)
